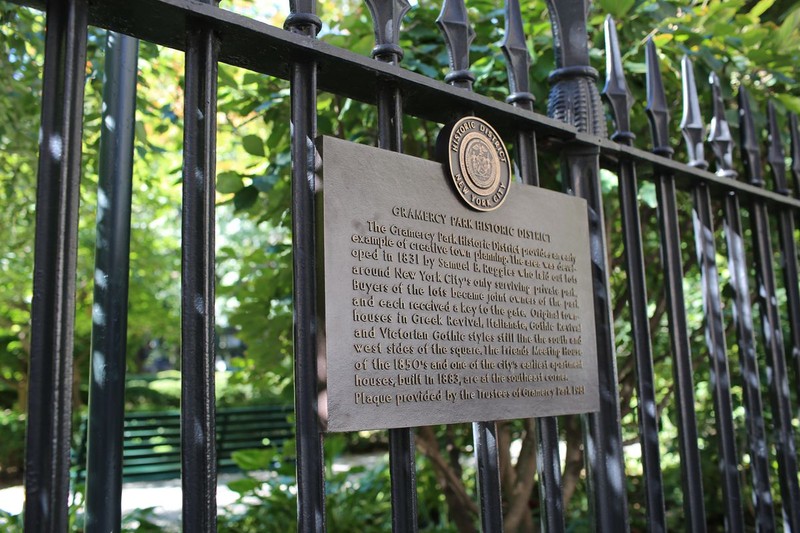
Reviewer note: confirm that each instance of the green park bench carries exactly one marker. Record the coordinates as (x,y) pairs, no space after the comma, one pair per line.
(151,441)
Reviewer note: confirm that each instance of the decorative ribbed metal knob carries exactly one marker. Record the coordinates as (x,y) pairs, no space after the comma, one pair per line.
(574,97)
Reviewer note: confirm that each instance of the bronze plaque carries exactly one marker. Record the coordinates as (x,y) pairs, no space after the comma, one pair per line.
(478,163)
(435,313)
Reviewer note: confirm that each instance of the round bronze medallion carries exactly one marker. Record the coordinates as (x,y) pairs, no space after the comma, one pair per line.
(479,164)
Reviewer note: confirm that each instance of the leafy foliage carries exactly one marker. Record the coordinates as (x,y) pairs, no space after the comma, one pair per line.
(748,43)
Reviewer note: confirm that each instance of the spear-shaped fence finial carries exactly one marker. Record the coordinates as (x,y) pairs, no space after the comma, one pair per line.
(574,98)
(458,34)
(518,60)
(749,141)
(657,110)
(775,153)
(692,121)
(386,18)
(616,91)
(719,134)
(795,151)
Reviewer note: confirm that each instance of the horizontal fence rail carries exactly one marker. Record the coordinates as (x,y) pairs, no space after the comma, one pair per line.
(574,130)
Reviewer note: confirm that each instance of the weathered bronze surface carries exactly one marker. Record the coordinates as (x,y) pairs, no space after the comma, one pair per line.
(478,163)
(435,313)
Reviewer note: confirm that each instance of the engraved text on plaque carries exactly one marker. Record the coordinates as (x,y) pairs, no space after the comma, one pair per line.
(436,313)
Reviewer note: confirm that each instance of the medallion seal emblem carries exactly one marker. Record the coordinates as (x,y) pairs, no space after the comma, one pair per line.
(478,162)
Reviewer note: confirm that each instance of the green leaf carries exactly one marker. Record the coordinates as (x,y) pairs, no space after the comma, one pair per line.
(245,198)
(792,103)
(617,8)
(229,182)
(253,145)
(244,485)
(250,78)
(760,7)
(253,459)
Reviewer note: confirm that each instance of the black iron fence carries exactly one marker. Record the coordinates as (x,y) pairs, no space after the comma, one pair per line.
(575,125)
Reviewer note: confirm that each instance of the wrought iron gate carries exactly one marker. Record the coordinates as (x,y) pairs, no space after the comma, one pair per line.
(575,124)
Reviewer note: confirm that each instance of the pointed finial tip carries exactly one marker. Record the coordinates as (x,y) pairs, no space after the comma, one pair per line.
(518,59)
(775,153)
(657,109)
(751,156)
(454,23)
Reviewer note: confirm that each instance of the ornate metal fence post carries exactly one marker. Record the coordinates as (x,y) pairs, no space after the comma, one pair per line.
(789,253)
(778,379)
(548,463)
(574,99)
(620,101)
(722,144)
(386,17)
(458,33)
(743,316)
(669,232)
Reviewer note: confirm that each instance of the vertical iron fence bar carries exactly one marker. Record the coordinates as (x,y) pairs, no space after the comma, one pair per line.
(198,442)
(49,427)
(310,456)
(722,145)
(484,436)
(110,310)
(574,99)
(743,320)
(548,462)
(786,228)
(387,16)
(669,231)
(619,98)
(458,33)
(693,129)
(777,376)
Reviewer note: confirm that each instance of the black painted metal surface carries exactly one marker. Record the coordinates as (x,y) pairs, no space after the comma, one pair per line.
(386,18)
(303,21)
(110,310)
(722,144)
(198,437)
(669,232)
(786,229)
(574,99)
(458,34)
(518,62)
(49,427)
(620,101)
(777,375)
(357,77)
(743,318)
